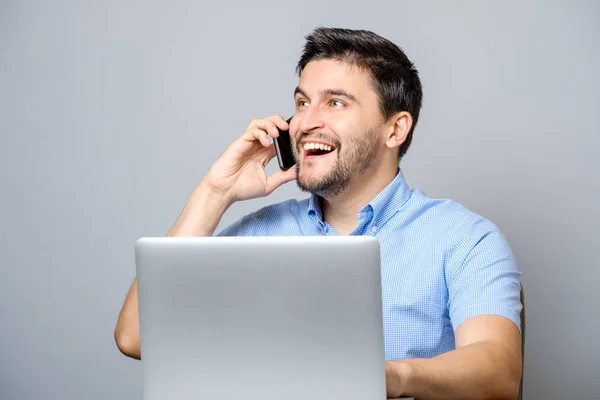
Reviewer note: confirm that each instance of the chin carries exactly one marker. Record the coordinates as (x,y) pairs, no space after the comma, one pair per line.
(313,175)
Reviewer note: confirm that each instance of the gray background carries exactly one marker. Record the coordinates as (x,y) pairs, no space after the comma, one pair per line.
(111,112)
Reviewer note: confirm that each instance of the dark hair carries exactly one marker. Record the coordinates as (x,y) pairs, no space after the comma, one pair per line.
(394,76)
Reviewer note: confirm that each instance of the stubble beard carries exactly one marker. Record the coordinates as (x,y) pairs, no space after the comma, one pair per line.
(354,159)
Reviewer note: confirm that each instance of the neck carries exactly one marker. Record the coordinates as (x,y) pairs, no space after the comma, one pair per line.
(341,212)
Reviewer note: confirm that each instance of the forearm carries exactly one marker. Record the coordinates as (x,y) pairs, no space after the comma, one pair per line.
(484,370)
(200,217)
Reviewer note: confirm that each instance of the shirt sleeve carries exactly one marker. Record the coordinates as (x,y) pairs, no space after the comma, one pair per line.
(244,226)
(484,279)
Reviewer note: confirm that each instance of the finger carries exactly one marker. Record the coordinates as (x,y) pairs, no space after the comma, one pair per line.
(279,178)
(257,134)
(264,125)
(280,121)
(270,125)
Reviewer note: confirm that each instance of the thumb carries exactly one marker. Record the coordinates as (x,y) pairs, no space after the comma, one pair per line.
(279,178)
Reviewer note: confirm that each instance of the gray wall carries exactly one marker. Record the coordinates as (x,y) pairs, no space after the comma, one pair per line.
(111,112)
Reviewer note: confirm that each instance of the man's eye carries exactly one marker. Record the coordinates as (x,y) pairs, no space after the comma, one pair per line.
(337,103)
(301,103)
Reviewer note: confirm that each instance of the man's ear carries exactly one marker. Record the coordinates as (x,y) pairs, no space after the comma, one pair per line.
(400,125)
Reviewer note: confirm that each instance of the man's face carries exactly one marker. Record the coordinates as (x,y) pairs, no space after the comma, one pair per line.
(336,129)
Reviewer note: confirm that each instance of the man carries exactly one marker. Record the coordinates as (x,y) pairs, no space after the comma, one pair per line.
(450,284)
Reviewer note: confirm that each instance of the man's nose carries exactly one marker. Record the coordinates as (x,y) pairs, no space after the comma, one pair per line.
(311,119)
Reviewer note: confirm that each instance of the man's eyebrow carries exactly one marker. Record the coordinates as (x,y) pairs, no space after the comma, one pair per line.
(299,91)
(328,92)
(338,92)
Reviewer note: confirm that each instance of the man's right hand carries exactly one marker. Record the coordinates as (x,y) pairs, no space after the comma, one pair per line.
(239,173)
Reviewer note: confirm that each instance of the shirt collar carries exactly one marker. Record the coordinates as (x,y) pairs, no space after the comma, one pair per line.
(314,207)
(383,206)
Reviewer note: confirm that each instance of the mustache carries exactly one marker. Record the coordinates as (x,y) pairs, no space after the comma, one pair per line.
(318,136)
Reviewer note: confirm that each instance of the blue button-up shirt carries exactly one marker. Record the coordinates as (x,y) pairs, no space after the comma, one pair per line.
(440,263)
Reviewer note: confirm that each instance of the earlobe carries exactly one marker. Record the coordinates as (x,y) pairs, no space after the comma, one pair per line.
(400,129)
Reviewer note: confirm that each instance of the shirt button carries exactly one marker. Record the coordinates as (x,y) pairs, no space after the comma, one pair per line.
(374,228)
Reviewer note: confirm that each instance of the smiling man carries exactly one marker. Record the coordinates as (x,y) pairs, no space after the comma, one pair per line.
(450,284)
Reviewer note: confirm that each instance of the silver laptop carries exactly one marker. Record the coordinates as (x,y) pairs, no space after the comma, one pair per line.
(281,318)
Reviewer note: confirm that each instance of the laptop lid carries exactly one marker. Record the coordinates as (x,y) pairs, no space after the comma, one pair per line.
(292,318)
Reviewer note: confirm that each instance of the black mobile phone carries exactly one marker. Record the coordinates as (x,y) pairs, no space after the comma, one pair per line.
(283,148)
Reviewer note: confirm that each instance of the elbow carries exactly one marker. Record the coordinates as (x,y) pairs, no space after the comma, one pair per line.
(514,382)
(507,379)
(510,391)
(507,389)
(127,343)
(514,388)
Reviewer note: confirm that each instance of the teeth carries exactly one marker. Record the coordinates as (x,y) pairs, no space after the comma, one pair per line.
(320,146)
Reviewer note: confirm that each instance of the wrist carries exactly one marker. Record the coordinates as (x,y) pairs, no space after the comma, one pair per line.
(209,197)
(413,376)
(400,378)
(201,214)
